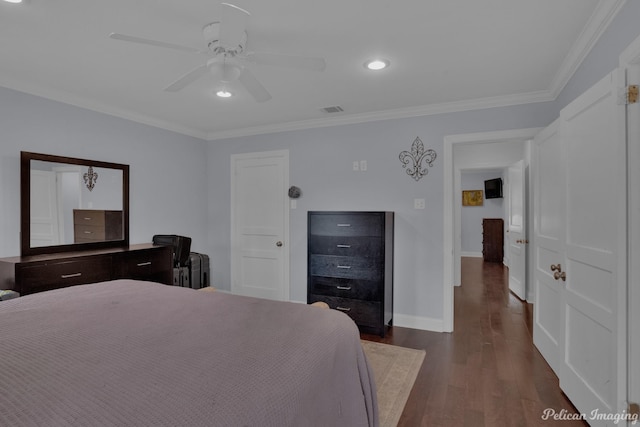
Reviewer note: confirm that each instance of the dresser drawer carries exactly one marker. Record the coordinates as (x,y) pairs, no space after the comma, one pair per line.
(366,247)
(345,267)
(88,217)
(343,224)
(364,313)
(151,264)
(346,288)
(46,276)
(88,233)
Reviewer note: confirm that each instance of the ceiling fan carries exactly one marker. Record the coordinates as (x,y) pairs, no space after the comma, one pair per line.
(226,40)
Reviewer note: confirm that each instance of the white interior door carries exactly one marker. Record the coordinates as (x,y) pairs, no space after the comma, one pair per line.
(592,367)
(548,243)
(44,209)
(259,219)
(516,223)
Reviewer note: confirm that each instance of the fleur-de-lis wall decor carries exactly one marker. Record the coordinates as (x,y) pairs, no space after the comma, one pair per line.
(412,160)
(90,178)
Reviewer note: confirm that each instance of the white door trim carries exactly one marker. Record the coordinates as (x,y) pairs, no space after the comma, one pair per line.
(451,209)
(285,248)
(630,60)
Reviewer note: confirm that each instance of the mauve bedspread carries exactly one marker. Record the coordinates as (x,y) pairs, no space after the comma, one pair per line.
(130,353)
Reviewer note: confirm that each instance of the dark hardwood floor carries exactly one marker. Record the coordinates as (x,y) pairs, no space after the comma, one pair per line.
(487,372)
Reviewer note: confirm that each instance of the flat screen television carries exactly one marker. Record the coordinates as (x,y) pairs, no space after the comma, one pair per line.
(493,188)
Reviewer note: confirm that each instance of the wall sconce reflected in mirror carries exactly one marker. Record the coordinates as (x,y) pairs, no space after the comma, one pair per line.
(90,178)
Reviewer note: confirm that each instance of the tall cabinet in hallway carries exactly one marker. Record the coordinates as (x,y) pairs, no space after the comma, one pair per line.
(493,239)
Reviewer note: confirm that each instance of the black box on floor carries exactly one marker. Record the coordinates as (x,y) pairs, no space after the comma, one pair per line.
(198,265)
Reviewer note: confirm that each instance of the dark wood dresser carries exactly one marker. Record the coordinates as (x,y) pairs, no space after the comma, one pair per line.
(37,273)
(91,225)
(493,239)
(350,265)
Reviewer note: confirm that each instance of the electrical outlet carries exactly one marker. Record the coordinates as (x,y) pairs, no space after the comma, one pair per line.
(356,165)
(419,203)
(363,165)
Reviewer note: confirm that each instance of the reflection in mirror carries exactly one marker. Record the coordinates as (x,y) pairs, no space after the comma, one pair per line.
(69,204)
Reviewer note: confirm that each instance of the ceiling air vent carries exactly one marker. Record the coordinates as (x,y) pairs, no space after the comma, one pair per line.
(334,109)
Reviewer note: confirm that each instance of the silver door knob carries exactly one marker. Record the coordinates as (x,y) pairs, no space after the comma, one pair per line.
(278,243)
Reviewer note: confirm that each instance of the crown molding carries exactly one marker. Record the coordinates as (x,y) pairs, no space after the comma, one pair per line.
(599,21)
(88,104)
(399,113)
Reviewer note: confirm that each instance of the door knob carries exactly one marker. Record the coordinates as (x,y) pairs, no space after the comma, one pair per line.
(563,276)
(556,267)
(278,243)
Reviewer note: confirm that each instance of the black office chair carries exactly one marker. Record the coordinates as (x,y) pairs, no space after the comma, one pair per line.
(181,247)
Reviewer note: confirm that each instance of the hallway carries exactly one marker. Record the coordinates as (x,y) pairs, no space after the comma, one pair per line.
(487,372)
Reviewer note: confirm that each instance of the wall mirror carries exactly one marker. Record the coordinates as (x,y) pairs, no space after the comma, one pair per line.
(69,204)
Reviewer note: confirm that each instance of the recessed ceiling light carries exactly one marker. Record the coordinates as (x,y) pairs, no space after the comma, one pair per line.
(224,93)
(13,1)
(377,64)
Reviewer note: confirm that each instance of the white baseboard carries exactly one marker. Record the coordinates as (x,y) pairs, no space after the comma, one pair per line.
(415,322)
(471,254)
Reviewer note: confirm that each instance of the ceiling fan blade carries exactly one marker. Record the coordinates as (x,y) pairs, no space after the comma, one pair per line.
(288,61)
(187,79)
(156,43)
(253,86)
(232,25)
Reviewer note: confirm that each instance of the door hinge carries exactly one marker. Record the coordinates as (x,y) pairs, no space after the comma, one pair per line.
(632,94)
(634,409)
(627,95)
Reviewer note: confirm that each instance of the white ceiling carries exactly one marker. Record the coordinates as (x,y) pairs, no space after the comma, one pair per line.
(446,55)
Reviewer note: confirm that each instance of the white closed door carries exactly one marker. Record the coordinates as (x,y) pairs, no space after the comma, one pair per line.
(259,222)
(580,244)
(549,216)
(593,274)
(516,241)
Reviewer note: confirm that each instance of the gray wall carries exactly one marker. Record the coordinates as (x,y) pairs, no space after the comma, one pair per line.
(321,165)
(167,170)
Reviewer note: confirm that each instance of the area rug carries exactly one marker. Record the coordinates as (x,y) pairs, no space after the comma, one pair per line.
(395,370)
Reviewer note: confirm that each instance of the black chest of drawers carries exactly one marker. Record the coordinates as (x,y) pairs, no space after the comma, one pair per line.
(350,265)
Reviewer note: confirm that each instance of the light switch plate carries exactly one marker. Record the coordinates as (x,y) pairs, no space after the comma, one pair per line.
(419,203)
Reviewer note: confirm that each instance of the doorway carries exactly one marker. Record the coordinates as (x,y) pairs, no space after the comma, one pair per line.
(489,150)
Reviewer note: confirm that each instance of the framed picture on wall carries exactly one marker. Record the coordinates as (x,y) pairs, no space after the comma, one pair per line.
(472,198)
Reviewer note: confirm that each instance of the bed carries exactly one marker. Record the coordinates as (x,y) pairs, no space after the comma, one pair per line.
(134,353)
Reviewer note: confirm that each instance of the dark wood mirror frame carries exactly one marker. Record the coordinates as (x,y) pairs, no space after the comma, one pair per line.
(25,205)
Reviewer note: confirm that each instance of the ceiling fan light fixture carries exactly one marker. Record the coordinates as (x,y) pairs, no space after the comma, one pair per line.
(223,93)
(377,64)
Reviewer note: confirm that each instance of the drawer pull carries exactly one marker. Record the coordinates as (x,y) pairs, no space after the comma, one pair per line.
(343,246)
(87,232)
(142,264)
(346,267)
(343,308)
(87,218)
(344,288)
(344,225)
(69,276)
